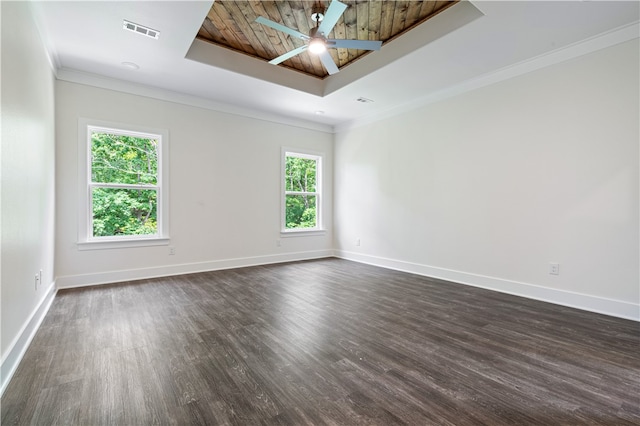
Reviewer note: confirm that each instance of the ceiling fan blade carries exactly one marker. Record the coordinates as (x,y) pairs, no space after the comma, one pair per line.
(288,55)
(334,12)
(328,63)
(355,44)
(280,27)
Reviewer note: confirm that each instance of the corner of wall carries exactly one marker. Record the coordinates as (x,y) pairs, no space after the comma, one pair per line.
(600,305)
(20,344)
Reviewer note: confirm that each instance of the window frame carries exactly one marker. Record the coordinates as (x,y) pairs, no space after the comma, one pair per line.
(86,240)
(310,155)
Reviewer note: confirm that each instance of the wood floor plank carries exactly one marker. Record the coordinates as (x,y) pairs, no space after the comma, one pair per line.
(321,342)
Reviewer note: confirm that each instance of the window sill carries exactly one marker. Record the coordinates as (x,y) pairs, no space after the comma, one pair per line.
(117,244)
(302,233)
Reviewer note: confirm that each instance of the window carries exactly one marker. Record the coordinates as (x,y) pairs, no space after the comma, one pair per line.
(302,191)
(124,199)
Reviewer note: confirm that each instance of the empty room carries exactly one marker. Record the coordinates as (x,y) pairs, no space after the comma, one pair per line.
(320,212)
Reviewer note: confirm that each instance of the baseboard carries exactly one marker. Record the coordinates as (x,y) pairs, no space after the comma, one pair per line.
(19,346)
(71,281)
(585,302)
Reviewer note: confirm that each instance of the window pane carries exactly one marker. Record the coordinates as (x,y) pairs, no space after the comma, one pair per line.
(118,211)
(300,174)
(123,159)
(301,211)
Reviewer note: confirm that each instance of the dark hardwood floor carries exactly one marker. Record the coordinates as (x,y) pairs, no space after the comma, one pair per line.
(321,342)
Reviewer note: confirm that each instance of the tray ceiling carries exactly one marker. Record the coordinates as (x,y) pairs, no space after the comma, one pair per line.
(231,24)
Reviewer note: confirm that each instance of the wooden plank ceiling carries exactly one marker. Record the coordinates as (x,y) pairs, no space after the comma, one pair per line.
(230,24)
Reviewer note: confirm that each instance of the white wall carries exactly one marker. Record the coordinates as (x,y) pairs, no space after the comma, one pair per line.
(28,160)
(489,187)
(224,188)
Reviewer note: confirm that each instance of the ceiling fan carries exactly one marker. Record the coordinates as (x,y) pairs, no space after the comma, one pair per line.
(317,42)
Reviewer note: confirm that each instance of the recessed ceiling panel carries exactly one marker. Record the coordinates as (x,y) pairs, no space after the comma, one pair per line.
(231,24)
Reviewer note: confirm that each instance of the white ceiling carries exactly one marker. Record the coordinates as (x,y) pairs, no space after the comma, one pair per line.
(88,44)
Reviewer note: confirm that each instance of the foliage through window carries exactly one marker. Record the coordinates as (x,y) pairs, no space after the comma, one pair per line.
(124,188)
(302,191)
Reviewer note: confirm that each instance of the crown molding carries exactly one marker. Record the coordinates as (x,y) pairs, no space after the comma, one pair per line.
(593,44)
(95,80)
(584,47)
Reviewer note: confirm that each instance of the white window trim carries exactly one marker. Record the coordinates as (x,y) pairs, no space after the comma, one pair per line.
(312,155)
(86,240)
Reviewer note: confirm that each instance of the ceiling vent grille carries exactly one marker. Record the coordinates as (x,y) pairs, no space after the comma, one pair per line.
(139,29)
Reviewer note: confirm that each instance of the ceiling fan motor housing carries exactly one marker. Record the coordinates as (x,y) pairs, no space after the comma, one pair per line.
(313,33)
(317,42)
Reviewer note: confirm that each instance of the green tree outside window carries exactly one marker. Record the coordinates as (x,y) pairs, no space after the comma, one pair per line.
(301,192)
(124,179)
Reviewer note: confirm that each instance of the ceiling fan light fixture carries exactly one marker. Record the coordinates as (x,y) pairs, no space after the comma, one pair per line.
(317,46)
(317,42)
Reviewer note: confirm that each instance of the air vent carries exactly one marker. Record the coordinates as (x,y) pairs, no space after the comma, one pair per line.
(139,29)
(364,100)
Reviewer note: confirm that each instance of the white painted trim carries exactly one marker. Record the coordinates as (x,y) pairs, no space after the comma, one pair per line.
(581,301)
(122,243)
(19,345)
(593,44)
(584,47)
(71,281)
(102,82)
(305,232)
(86,126)
(318,156)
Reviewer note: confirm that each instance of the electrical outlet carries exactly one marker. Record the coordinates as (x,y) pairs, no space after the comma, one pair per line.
(38,278)
(172,250)
(358,242)
(278,243)
(554,268)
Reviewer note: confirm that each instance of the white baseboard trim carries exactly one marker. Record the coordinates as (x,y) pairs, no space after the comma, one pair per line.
(570,299)
(71,281)
(18,347)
